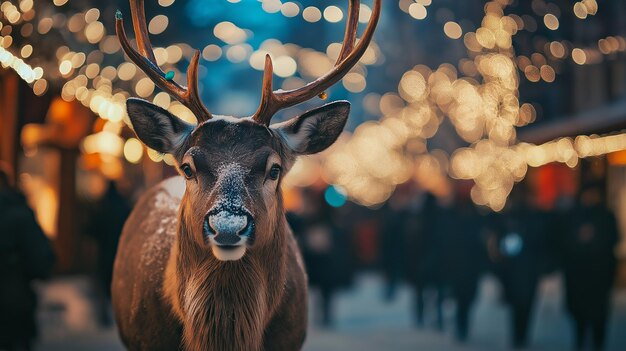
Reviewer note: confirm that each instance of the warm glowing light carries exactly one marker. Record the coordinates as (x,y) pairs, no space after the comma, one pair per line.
(65,67)
(551,21)
(174,54)
(365,13)
(92,70)
(591,6)
(126,71)
(104,143)
(154,156)
(44,25)
(166,3)
(547,73)
(580,10)
(94,32)
(40,87)
(26,51)
(26,5)
(453,30)
(333,14)
(418,11)
(413,86)
(144,87)
(557,49)
(133,150)
(92,15)
(162,99)
(229,33)
(212,52)
(312,14)
(158,24)
(271,6)
(354,82)
(290,9)
(285,66)
(579,56)
(238,53)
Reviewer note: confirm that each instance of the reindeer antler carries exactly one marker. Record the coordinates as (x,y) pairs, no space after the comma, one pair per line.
(146,61)
(273,101)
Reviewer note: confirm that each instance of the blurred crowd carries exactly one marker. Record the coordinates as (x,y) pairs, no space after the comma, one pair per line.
(25,255)
(441,246)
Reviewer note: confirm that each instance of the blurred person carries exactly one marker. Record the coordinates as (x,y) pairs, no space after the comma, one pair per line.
(518,249)
(365,231)
(399,217)
(465,259)
(425,246)
(325,249)
(25,255)
(106,225)
(589,239)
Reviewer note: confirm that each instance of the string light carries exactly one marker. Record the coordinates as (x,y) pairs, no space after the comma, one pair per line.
(479,97)
(24,70)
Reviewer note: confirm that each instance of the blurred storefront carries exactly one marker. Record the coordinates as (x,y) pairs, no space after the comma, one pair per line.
(47,143)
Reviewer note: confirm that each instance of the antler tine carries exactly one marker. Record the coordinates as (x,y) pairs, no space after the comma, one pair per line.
(349,56)
(352,25)
(193,100)
(146,61)
(264,113)
(141,30)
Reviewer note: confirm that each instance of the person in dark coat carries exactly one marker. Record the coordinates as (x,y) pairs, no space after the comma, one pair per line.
(326,252)
(25,255)
(590,236)
(465,258)
(399,218)
(425,259)
(106,226)
(519,253)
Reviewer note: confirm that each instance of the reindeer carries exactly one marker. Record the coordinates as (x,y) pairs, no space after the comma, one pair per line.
(207,260)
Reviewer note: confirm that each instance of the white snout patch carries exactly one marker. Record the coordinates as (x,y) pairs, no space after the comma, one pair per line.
(231,254)
(226,222)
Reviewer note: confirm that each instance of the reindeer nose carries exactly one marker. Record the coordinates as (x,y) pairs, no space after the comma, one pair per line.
(228,227)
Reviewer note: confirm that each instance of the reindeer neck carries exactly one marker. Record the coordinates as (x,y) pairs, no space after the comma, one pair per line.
(225,305)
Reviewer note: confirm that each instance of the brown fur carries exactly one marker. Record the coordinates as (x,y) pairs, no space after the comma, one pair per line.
(170,292)
(211,305)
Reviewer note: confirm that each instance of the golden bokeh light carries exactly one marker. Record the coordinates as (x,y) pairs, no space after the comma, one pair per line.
(229,33)
(551,21)
(26,51)
(477,97)
(579,56)
(166,3)
(418,11)
(312,14)
(133,150)
(453,30)
(211,52)
(290,9)
(333,14)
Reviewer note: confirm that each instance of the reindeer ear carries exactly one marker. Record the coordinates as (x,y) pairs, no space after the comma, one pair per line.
(155,127)
(315,130)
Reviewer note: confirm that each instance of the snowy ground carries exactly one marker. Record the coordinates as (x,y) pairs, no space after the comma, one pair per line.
(363,321)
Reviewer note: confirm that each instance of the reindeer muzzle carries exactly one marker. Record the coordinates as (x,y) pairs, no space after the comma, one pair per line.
(229,228)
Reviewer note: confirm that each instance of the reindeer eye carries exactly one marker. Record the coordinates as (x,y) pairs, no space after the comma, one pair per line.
(274,172)
(187,171)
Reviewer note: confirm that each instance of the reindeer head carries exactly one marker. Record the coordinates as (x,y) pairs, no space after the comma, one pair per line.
(233,166)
